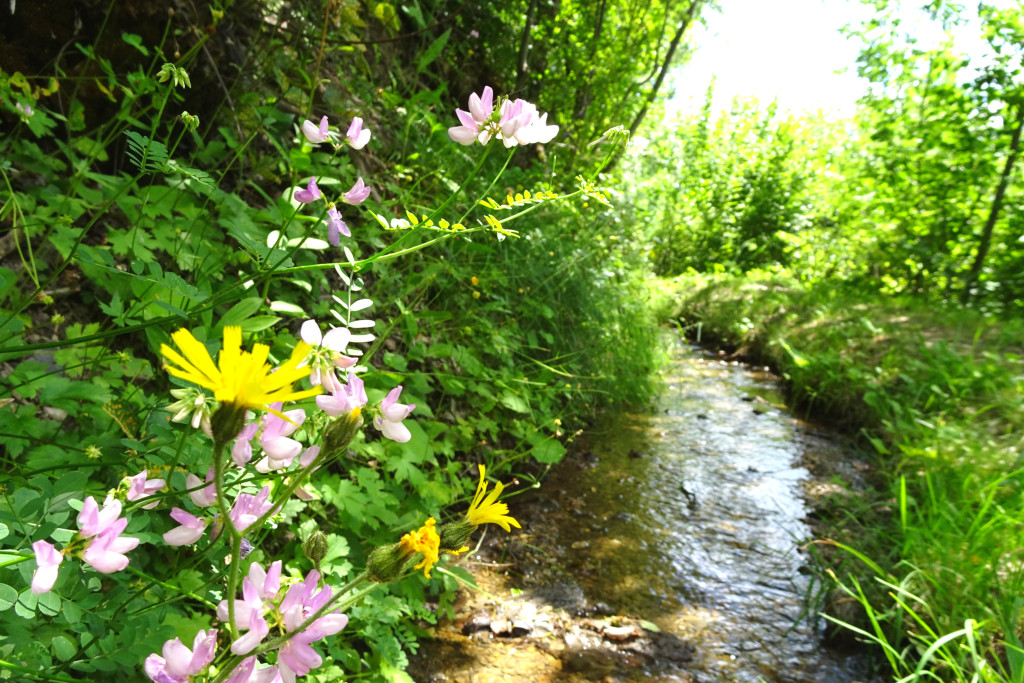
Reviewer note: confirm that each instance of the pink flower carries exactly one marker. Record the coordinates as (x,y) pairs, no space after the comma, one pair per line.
(521,124)
(345,398)
(248,508)
(190,531)
(391,413)
(357,137)
(278,449)
(106,553)
(93,521)
(480,109)
(358,193)
(315,134)
(336,227)
(206,496)
(25,109)
(241,451)
(246,672)
(310,194)
(178,662)
(250,610)
(296,657)
(143,488)
(48,561)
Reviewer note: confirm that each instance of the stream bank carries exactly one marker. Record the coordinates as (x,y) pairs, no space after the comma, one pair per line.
(671,549)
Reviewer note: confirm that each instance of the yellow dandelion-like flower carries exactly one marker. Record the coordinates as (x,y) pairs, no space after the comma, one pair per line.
(424,540)
(485,508)
(242,378)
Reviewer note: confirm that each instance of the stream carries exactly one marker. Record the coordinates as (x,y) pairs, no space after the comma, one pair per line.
(671,550)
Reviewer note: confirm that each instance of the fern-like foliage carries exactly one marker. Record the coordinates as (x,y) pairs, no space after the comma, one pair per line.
(149,156)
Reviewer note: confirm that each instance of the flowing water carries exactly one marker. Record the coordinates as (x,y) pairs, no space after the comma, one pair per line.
(692,518)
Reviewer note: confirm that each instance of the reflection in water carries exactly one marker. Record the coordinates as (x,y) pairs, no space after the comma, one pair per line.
(692,518)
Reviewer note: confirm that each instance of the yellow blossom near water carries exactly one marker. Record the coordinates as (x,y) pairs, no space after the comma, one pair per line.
(242,378)
(485,508)
(424,540)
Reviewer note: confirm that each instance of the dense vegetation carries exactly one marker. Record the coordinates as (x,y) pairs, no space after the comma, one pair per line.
(172,173)
(878,263)
(156,174)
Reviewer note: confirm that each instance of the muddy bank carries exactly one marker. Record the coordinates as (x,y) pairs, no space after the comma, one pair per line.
(671,549)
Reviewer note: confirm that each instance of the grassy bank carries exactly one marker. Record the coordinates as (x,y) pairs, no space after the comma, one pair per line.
(933,554)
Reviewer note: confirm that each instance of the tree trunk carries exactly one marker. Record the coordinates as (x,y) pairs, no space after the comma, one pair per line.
(691,13)
(993,215)
(522,63)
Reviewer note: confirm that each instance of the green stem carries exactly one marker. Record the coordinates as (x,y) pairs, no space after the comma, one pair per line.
(172,587)
(493,182)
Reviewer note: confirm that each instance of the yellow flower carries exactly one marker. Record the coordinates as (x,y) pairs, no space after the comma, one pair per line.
(424,540)
(485,508)
(242,378)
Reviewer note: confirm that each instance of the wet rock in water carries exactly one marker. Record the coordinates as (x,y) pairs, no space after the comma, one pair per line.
(622,633)
(477,622)
(561,595)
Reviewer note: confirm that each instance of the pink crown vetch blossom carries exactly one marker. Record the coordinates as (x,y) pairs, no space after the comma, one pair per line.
(480,109)
(248,508)
(310,194)
(278,448)
(517,123)
(316,134)
(141,487)
(357,136)
(189,531)
(106,552)
(390,415)
(179,663)
(296,657)
(345,398)
(336,227)
(358,194)
(48,561)
(207,495)
(246,672)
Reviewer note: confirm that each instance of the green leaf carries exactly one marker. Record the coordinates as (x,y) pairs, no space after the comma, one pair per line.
(149,156)
(4,531)
(513,402)
(259,322)
(548,452)
(63,648)
(135,41)
(240,311)
(433,51)
(8,596)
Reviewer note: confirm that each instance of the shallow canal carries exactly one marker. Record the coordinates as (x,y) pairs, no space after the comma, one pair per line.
(672,549)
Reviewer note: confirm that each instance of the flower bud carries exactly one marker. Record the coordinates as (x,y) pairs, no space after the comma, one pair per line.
(316,546)
(388,563)
(455,535)
(226,422)
(341,431)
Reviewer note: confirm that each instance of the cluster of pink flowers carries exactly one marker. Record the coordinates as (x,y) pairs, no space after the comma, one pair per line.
(261,598)
(514,123)
(98,542)
(356,138)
